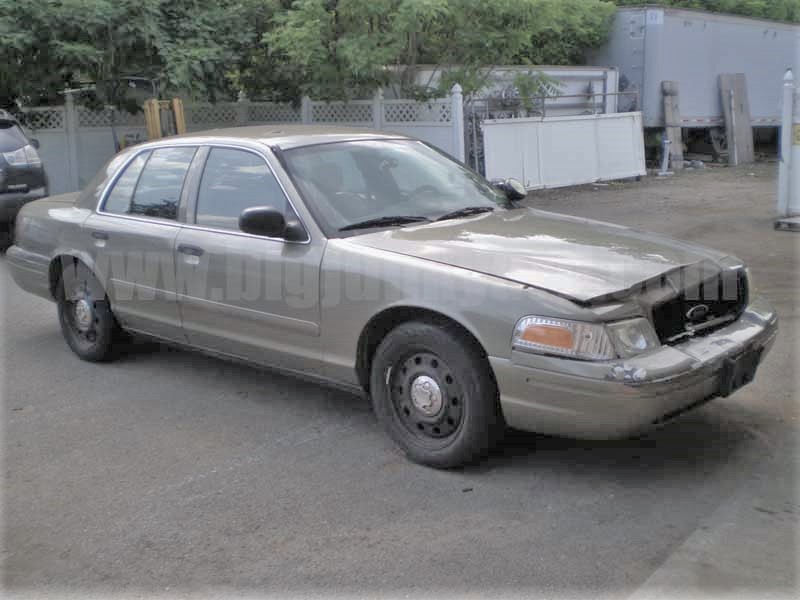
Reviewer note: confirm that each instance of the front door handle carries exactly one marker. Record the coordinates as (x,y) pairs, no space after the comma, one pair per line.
(190,250)
(100,235)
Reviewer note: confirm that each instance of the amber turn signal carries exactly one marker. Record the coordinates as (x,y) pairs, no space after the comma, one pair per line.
(548,335)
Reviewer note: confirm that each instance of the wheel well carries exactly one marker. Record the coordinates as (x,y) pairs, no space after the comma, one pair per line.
(56,268)
(382,323)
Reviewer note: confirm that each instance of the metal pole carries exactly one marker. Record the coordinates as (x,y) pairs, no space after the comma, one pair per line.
(785,164)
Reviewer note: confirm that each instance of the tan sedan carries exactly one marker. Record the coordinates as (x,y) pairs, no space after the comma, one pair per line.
(375,262)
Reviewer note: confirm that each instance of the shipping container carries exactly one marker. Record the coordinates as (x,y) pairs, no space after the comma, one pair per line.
(651,44)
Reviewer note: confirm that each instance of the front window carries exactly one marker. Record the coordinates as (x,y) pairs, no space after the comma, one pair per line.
(349,183)
(234,180)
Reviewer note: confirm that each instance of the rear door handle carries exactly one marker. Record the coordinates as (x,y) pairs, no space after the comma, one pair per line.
(190,250)
(100,235)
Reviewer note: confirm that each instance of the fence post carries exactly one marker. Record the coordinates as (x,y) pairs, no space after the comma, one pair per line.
(71,132)
(457,121)
(242,110)
(305,110)
(785,163)
(377,109)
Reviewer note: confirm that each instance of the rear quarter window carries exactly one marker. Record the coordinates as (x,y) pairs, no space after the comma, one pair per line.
(119,200)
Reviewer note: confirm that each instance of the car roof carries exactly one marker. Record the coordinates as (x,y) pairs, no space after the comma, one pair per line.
(288,136)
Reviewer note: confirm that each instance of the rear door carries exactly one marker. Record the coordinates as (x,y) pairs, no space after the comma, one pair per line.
(250,296)
(133,236)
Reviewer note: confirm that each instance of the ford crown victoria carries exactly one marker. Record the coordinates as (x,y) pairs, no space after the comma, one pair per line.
(375,262)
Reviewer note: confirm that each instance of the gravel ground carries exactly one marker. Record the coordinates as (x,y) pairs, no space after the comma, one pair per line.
(171,473)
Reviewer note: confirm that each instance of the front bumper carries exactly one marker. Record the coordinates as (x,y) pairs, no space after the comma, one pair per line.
(603,400)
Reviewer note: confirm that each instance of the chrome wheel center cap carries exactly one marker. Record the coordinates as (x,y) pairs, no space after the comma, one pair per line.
(426,395)
(83,314)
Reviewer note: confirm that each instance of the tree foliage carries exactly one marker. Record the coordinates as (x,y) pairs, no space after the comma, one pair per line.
(343,47)
(281,49)
(781,10)
(189,46)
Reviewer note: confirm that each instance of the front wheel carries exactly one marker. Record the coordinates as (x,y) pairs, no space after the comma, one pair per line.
(434,393)
(84,313)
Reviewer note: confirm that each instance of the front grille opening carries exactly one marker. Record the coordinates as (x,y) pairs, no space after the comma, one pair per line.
(701,307)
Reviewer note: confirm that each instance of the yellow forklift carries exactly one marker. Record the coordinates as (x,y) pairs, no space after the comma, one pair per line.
(164,118)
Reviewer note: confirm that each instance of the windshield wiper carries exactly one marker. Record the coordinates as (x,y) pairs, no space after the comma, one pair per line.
(383,222)
(466,212)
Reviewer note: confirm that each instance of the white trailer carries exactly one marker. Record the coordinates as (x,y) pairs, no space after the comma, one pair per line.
(653,44)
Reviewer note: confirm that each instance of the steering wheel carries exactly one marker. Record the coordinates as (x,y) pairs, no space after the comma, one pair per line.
(425,189)
(353,204)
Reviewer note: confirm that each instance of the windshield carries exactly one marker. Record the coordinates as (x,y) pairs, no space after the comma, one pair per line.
(349,183)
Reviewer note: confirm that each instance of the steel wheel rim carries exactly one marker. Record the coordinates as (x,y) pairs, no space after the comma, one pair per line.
(81,314)
(426,397)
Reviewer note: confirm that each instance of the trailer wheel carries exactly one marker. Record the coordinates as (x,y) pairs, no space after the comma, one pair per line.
(719,143)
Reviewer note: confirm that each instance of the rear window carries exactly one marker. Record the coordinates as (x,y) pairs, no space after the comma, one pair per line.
(11,137)
(158,190)
(151,184)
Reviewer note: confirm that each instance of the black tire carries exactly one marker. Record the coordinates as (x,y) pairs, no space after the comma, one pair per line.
(91,337)
(6,235)
(453,421)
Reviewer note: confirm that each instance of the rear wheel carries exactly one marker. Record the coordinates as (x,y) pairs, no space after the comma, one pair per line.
(88,325)
(433,391)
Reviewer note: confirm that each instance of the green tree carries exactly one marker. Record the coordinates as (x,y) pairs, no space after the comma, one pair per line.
(202,45)
(280,49)
(191,47)
(347,48)
(50,44)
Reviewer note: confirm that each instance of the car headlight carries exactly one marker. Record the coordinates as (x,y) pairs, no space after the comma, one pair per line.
(582,340)
(575,339)
(632,336)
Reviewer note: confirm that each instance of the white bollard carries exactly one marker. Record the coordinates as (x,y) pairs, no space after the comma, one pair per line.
(785,164)
(793,199)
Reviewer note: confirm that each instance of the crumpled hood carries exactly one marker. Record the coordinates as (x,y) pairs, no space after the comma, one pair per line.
(576,258)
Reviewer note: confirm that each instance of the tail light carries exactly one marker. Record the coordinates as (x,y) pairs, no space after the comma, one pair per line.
(27,156)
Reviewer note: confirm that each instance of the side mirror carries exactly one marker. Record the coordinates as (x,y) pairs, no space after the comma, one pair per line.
(34,142)
(512,188)
(269,222)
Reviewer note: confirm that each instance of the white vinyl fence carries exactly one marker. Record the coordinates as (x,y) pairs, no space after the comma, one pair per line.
(561,151)
(75,142)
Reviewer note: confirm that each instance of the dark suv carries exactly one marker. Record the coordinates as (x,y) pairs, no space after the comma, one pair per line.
(22,177)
